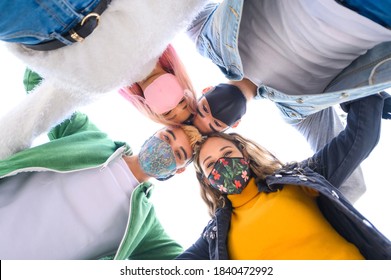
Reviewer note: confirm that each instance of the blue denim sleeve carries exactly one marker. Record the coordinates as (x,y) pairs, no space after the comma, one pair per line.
(344,153)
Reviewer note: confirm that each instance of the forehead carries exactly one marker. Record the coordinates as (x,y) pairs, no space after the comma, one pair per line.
(177,134)
(214,144)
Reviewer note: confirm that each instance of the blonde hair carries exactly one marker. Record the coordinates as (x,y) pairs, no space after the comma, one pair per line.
(171,63)
(193,135)
(262,164)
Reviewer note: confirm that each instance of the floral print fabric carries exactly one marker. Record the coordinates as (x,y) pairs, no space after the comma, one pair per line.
(230,175)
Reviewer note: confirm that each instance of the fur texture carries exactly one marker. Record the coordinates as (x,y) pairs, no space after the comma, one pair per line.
(123,49)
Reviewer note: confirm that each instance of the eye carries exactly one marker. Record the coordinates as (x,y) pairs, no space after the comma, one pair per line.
(167,113)
(182,100)
(178,155)
(210,164)
(166,138)
(217,124)
(228,153)
(205,109)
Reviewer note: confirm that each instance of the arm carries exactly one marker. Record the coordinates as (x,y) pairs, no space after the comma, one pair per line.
(46,106)
(248,88)
(198,251)
(77,123)
(194,30)
(342,155)
(156,245)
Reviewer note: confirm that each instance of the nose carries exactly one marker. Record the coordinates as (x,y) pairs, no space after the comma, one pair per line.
(201,124)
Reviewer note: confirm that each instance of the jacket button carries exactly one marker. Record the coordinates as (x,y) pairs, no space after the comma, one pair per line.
(278,175)
(333,193)
(214,228)
(212,235)
(344,95)
(300,100)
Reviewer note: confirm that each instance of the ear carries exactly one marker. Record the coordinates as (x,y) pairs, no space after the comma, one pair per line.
(236,123)
(205,90)
(180,170)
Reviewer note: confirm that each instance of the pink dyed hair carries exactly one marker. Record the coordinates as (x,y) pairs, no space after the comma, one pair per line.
(171,63)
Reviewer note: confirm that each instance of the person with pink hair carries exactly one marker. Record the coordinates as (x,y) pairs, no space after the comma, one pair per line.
(166,95)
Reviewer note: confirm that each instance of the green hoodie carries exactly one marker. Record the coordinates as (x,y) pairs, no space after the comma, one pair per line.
(77,144)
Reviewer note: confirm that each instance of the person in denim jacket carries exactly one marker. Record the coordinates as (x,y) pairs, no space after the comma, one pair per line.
(83,49)
(263,209)
(304,56)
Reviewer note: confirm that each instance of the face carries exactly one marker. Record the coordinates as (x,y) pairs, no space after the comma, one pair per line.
(179,143)
(204,120)
(180,113)
(165,96)
(213,149)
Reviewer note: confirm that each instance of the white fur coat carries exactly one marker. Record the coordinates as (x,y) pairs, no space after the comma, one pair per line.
(123,49)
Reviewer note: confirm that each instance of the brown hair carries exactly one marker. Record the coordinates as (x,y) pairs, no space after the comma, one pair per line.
(262,164)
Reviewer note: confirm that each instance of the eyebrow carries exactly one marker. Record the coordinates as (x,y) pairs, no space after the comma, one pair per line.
(172,133)
(222,149)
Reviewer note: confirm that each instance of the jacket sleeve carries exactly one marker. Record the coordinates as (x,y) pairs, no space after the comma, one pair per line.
(194,30)
(77,123)
(157,245)
(198,251)
(343,154)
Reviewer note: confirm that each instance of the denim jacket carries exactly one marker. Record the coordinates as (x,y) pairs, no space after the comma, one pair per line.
(218,41)
(48,20)
(324,172)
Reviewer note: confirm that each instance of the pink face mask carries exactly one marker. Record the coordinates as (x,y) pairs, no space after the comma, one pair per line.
(163,94)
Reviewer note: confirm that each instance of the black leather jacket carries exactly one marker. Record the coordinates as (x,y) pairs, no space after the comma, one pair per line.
(325,172)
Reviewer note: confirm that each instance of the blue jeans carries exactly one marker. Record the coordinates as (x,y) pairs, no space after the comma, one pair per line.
(376,10)
(36,21)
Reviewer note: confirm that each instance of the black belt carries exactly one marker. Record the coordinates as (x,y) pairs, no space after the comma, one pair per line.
(78,33)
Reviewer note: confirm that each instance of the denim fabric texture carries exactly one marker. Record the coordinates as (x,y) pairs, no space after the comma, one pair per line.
(218,41)
(36,21)
(324,172)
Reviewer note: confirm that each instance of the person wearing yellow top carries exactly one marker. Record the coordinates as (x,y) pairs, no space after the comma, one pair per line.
(263,209)
(294,226)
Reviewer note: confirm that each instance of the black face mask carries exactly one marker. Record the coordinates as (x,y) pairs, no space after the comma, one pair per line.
(227,103)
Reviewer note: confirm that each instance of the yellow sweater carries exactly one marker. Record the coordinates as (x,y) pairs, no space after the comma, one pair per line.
(286,224)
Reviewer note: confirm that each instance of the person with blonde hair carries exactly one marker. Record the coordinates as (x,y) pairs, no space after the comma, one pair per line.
(166,95)
(264,209)
(83,195)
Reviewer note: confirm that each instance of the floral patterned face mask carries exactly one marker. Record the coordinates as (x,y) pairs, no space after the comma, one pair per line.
(230,175)
(157,159)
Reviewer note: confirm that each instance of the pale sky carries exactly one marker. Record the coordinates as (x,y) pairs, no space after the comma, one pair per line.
(177,201)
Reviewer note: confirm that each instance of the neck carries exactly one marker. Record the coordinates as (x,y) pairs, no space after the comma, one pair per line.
(248,88)
(135,168)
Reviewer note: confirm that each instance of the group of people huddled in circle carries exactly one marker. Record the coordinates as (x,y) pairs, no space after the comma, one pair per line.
(87,197)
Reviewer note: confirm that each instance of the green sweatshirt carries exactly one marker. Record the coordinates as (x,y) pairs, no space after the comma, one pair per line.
(77,144)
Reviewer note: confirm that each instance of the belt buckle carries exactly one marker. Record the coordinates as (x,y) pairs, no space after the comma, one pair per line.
(76,36)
